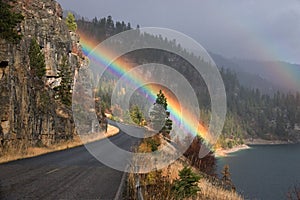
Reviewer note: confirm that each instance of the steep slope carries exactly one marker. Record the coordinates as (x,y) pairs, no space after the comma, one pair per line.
(247,77)
(30,112)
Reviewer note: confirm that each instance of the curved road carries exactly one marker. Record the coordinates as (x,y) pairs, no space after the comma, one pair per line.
(68,174)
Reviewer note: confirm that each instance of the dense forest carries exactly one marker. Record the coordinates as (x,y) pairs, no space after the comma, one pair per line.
(251,113)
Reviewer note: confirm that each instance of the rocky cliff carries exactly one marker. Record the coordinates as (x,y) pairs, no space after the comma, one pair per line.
(30,112)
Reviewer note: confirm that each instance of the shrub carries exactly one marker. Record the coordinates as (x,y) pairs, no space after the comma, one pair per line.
(153,142)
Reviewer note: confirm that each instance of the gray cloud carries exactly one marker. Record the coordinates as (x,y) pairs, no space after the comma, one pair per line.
(267,29)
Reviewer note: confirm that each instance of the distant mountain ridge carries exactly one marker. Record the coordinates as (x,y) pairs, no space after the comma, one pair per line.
(277,72)
(258,74)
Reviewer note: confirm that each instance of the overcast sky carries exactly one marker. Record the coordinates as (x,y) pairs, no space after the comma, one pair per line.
(260,29)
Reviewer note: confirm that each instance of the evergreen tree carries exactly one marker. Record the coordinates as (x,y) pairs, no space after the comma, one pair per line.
(159,115)
(226,178)
(70,21)
(37,59)
(136,115)
(119,27)
(110,26)
(128,26)
(187,185)
(8,22)
(161,99)
(226,174)
(168,125)
(66,82)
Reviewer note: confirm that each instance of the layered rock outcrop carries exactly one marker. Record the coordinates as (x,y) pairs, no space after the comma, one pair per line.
(30,114)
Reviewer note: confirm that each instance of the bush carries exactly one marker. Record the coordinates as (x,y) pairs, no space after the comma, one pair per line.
(153,142)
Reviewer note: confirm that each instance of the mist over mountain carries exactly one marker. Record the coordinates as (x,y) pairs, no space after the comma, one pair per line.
(268,76)
(283,74)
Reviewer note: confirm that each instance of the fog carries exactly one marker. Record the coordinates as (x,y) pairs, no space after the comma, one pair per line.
(267,29)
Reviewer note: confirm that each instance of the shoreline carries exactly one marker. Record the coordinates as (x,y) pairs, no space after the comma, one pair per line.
(220,152)
(259,141)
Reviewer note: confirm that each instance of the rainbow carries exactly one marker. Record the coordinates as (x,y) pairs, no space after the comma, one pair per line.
(119,67)
(266,51)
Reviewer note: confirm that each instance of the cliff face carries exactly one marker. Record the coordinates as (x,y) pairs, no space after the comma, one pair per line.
(30,113)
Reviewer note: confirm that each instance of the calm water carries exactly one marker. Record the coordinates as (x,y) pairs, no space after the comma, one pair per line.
(264,171)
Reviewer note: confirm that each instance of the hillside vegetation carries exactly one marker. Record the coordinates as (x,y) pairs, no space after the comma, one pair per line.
(251,113)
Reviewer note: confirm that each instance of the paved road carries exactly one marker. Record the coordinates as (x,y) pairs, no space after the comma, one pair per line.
(68,174)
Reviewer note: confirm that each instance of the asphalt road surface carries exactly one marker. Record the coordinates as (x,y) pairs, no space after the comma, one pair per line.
(68,174)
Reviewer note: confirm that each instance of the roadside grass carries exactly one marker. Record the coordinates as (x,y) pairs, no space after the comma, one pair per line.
(26,152)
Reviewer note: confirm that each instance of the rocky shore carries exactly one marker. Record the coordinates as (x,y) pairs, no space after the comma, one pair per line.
(220,152)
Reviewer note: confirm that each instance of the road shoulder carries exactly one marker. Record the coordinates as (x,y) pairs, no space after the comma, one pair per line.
(77,141)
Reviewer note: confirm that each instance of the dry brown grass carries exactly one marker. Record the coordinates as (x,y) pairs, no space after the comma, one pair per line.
(208,191)
(36,151)
(158,184)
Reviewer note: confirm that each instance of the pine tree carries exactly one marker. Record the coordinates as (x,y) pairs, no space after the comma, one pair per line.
(110,26)
(8,21)
(37,59)
(161,99)
(136,115)
(168,125)
(70,21)
(160,115)
(226,178)
(187,185)
(226,174)
(157,117)
(66,82)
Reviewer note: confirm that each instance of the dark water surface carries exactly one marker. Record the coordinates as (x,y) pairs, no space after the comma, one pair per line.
(264,171)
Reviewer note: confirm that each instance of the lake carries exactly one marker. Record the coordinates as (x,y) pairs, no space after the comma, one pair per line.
(264,171)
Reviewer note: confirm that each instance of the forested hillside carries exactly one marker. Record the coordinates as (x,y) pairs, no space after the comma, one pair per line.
(251,113)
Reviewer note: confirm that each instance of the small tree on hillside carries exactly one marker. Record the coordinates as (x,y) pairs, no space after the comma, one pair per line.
(159,115)
(187,184)
(66,82)
(8,22)
(226,178)
(136,115)
(37,59)
(70,21)
(161,99)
